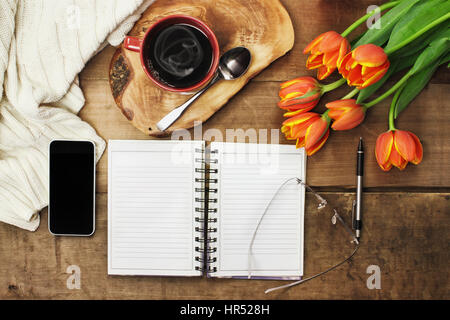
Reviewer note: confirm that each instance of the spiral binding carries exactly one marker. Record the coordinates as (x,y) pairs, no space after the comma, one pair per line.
(211,213)
(205,224)
(200,209)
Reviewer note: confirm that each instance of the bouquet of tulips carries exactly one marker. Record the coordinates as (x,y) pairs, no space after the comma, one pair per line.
(414,35)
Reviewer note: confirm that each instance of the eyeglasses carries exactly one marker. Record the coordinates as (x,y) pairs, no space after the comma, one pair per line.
(335,219)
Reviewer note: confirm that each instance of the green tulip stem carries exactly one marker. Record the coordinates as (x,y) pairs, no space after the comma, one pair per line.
(418,34)
(393,107)
(363,19)
(325,116)
(389,92)
(391,112)
(332,86)
(351,94)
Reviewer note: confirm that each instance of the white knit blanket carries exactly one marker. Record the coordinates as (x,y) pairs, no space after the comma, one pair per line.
(44,44)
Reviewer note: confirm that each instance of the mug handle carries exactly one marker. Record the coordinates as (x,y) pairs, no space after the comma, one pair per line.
(133,43)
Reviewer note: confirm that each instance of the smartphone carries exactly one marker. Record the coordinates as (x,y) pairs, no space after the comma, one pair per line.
(71,210)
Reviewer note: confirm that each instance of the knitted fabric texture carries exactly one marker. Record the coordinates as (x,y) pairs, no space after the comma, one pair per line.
(44,44)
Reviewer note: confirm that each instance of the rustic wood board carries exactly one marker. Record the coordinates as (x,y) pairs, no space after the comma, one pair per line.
(406,235)
(263,26)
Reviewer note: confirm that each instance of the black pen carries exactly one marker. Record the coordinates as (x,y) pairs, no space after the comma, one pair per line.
(357,222)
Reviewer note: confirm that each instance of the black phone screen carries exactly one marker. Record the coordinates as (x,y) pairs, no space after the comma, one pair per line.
(72,188)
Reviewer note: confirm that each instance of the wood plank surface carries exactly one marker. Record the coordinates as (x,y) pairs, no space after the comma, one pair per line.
(406,235)
(255,109)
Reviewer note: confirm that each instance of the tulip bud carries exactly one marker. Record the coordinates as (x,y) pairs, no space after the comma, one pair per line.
(364,66)
(346,114)
(325,53)
(299,95)
(397,148)
(310,129)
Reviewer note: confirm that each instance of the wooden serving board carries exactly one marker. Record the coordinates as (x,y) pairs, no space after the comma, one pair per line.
(263,26)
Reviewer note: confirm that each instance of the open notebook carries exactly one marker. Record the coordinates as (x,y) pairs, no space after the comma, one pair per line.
(177,209)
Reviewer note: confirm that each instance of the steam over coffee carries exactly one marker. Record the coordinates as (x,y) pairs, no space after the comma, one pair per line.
(178,51)
(179,56)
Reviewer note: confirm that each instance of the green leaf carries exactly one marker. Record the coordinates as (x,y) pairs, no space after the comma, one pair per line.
(445,59)
(421,42)
(432,53)
(407,62)
(417,19)
(416,83)
(412,14)
(388,22)
(413,87)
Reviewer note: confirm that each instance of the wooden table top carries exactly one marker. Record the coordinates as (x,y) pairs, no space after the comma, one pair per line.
(407,214)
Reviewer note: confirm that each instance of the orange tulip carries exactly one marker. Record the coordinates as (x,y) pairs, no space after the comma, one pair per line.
(397,148)
(310,129)
(346,114)
(326,51)
(299,95)
(364,66)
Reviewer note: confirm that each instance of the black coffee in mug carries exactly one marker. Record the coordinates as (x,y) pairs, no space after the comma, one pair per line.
(179,55)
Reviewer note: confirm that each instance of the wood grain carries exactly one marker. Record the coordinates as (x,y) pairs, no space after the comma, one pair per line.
(262,26)
(255,109)
(406,235)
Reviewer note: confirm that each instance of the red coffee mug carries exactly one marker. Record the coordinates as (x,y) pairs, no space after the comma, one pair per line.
(137,45)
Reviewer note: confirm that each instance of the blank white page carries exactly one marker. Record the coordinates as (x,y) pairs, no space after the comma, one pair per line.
(248,177)
(151,208)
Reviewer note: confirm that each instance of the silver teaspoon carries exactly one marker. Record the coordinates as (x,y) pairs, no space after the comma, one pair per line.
(233,64)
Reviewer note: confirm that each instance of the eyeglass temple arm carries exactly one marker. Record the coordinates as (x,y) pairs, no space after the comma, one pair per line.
(322,202)
(336,214)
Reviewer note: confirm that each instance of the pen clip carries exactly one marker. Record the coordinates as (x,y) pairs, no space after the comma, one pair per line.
(353,215)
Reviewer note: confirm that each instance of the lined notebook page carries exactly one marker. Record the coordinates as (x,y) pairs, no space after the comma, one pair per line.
(151,207)
(248,177)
